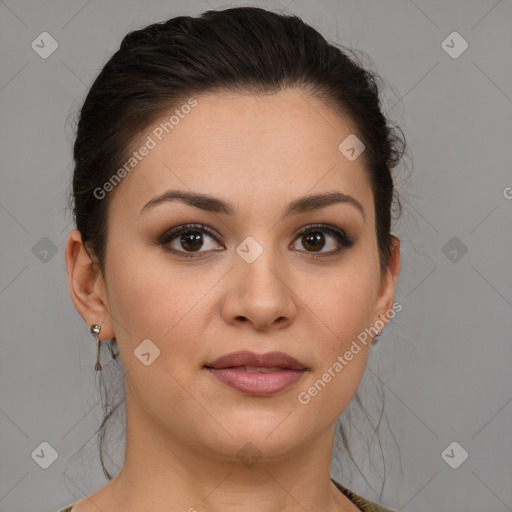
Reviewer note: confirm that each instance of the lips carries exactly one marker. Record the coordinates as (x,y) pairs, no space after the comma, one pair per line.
(257,375)
(252,360)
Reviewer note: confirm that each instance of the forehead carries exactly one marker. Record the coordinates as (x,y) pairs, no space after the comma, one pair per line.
(266,149)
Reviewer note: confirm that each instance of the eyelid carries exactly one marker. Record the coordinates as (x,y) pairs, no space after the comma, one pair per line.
(177,230)
(321,226)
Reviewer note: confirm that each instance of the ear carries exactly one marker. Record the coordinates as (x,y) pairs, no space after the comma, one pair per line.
(386,295)
(87,286)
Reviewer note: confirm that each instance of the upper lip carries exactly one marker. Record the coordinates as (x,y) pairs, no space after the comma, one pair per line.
(246,358)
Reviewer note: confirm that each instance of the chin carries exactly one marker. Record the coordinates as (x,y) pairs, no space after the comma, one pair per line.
(257,437)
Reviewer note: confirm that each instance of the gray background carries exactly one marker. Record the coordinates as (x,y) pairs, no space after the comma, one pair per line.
(441,369)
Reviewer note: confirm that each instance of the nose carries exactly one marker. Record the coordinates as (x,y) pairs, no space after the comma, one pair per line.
(259,293)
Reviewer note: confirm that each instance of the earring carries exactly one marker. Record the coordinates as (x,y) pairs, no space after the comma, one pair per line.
(377,334)
(95,330)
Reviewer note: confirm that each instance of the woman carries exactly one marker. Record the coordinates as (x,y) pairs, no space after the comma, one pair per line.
(232,195)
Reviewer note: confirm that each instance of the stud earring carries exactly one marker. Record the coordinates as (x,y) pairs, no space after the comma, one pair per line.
(377,333)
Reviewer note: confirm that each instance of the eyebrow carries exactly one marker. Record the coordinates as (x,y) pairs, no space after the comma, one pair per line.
(213,204)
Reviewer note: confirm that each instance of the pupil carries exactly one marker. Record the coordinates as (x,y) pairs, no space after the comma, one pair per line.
(191,239)
(313,239)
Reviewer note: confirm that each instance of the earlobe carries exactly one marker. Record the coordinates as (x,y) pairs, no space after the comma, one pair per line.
(85,284)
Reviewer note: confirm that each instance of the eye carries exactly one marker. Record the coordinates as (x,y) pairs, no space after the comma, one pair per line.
(190,238)
(313,238)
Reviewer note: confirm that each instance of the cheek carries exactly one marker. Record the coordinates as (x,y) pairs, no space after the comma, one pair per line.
(344,301)
(342,307)
(154,300)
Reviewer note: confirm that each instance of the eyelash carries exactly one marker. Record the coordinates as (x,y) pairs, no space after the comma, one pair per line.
(170,235)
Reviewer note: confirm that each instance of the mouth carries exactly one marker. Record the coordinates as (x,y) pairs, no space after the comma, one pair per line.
(257,375)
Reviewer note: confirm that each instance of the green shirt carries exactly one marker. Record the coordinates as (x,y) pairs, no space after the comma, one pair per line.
(358,501)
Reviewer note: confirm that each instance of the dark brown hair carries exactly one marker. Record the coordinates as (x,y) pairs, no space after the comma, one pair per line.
(247,50)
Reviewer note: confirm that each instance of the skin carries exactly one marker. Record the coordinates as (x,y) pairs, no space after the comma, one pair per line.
(184,427)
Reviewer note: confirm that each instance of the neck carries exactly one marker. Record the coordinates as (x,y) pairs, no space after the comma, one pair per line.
(161,473)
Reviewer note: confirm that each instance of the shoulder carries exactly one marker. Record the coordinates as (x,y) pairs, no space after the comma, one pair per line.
(359,501)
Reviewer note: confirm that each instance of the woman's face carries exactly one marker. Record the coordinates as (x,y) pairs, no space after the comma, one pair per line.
(252,285)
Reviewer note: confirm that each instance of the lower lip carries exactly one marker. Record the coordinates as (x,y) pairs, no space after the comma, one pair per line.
(257,383)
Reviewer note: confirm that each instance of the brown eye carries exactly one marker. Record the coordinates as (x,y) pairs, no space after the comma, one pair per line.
(188,239)
(313,239)
(191,240)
